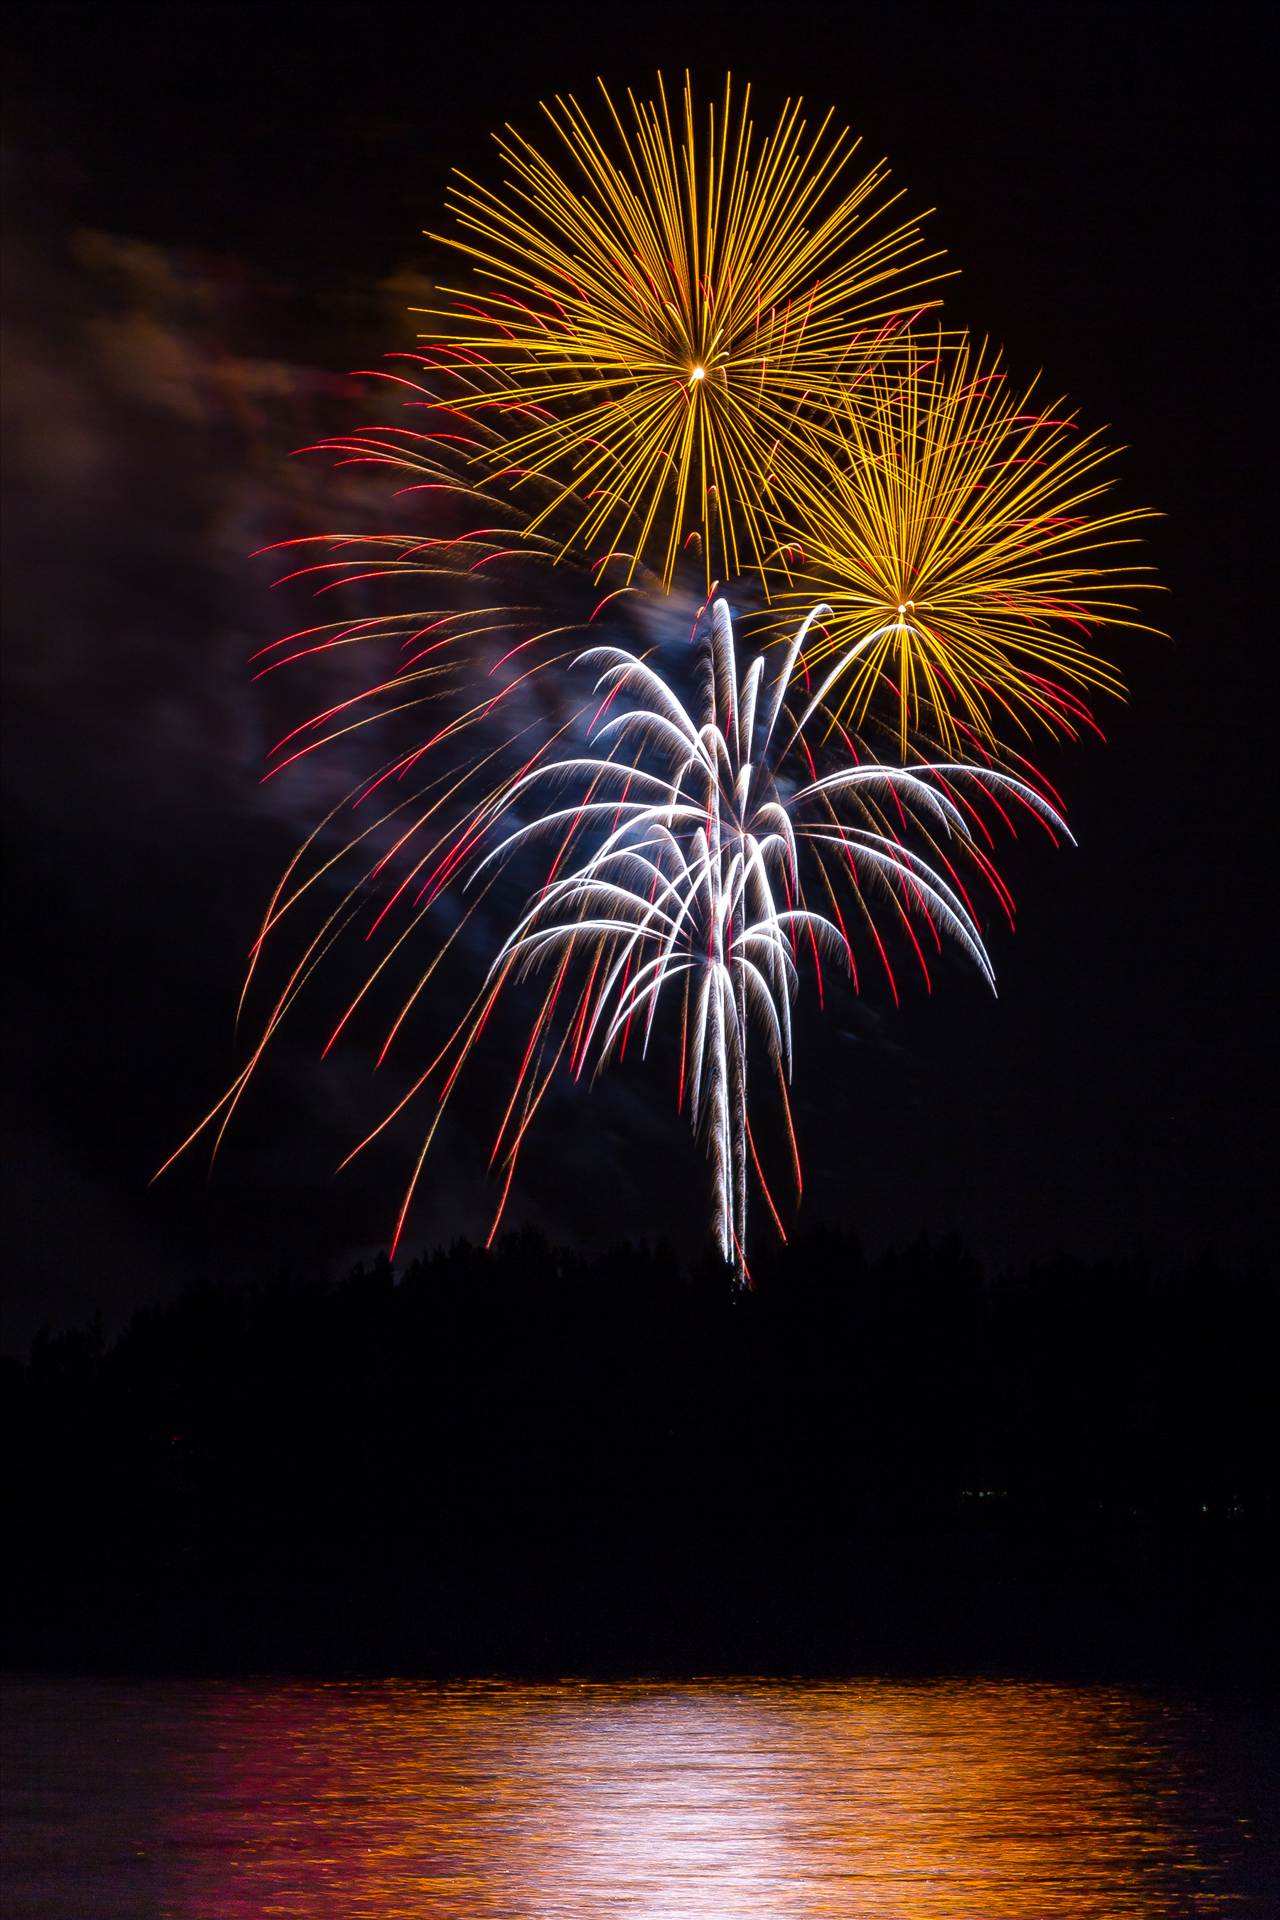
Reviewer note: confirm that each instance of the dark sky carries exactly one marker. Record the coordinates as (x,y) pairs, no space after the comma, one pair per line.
(212,214)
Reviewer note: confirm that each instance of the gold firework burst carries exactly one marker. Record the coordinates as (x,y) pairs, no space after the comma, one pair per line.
(960,547)
(662,319)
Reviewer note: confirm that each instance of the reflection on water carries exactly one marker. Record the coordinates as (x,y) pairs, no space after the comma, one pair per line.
(981,1799)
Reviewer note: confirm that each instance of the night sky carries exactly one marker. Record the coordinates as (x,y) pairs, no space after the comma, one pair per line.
(212,214)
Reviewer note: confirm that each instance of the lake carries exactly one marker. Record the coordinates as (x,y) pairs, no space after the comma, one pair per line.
(987,1799)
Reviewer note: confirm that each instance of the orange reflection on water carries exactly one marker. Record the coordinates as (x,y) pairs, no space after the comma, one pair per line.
(986,1800)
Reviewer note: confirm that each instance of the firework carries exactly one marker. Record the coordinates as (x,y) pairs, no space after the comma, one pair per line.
(681,337)
(658,320)
(686,854)
(960,538)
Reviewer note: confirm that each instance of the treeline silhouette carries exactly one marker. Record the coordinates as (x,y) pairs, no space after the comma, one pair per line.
(531,1460)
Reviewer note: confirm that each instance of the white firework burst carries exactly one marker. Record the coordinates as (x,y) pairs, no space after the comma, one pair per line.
(689,848)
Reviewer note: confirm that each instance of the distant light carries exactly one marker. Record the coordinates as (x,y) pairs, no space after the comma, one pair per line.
(699,373)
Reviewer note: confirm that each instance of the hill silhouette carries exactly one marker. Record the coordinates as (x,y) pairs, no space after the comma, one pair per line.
(529,1460)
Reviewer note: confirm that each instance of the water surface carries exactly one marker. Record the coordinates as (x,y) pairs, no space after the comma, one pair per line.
(222,1800)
